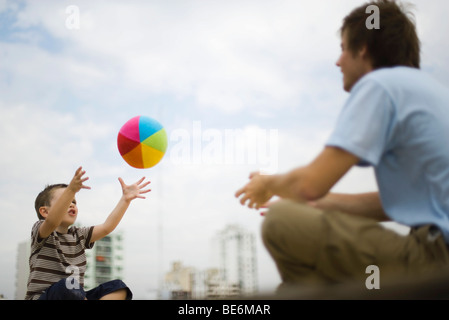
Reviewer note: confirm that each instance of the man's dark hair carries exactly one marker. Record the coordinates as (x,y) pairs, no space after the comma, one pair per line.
(44,197)
(396,41)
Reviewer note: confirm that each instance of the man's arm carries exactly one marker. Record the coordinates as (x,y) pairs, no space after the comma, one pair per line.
(315,180)
(303,184)
(130,192)
(363,204)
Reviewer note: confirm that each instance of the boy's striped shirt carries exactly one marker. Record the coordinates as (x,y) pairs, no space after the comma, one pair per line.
(57,257)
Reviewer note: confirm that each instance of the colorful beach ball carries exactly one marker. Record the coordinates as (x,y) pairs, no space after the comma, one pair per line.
(142,142)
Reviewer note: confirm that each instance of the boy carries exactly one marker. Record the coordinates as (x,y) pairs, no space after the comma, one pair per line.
(57,260)
(396,119)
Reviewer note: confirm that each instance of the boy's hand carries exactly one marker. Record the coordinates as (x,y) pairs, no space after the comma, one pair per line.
(133,191)
(77,182)
(130,192)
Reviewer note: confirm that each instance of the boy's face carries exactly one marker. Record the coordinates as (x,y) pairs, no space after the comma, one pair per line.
(353,65)
(72,212)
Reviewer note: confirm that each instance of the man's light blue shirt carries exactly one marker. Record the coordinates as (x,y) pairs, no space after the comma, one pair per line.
(397,120)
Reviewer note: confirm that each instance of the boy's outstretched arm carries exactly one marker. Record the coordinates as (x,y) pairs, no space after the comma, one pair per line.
(130,192)
(54,214)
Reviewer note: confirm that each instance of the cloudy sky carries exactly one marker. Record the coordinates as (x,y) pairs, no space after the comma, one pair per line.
(238,85)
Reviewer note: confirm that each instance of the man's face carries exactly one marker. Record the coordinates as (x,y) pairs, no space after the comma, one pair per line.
(353,65)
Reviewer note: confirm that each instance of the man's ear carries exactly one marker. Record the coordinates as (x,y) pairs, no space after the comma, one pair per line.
(364,54)
(43,211)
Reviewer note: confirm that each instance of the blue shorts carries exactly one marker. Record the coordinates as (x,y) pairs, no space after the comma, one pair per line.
(60,291)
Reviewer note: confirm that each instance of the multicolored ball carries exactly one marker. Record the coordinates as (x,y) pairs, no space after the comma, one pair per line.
(142,142)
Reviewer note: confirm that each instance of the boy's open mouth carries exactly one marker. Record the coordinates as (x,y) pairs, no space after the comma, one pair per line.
(72,212)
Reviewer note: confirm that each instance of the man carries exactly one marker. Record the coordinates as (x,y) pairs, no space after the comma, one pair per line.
(396,119)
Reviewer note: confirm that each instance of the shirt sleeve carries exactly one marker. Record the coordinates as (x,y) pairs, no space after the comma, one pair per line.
(365,123)
(86,234)
(36,241)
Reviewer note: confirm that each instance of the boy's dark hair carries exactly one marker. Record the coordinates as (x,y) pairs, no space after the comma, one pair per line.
(396,41)
(45,196)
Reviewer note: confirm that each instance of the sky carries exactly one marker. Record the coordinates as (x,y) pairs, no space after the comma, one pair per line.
(239,86)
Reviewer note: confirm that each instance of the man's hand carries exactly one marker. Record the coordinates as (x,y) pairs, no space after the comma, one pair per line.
(135,190)
(267,206)
(256,191)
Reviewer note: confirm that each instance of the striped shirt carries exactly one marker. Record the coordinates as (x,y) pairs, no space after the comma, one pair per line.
(57,257)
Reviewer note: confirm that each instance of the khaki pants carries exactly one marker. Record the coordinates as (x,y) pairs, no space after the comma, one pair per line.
(310,246)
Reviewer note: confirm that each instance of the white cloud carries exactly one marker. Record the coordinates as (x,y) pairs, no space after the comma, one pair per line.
(230,56)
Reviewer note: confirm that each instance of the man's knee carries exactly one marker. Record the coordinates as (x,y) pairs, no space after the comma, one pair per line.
(274,218)
(284,211)
(287,216)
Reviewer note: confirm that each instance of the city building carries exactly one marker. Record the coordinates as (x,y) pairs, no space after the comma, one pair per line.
(210,284)
(178,282)
(234,250)
(234,270)
(105,261)
(22,269)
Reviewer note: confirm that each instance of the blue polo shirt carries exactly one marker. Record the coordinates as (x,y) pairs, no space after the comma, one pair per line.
(397,120)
